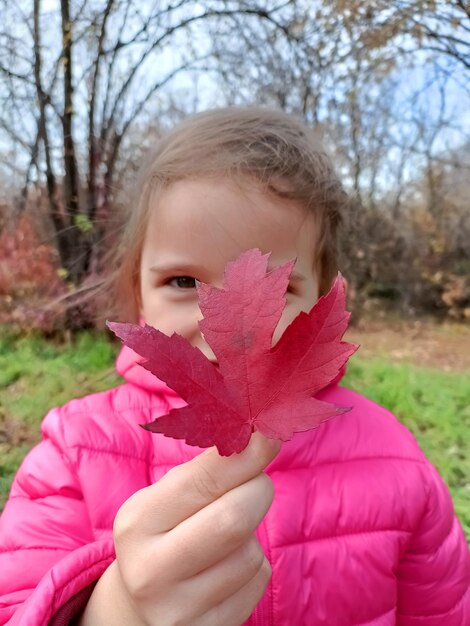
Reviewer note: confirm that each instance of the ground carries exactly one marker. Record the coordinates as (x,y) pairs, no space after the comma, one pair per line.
(421,342)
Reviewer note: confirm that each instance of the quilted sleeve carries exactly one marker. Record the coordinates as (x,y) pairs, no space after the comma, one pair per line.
(434,575)
(47,550)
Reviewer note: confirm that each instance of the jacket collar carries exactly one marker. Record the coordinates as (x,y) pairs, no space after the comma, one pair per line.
(128,366)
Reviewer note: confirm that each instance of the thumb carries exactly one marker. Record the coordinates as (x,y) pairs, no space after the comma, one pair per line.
(188,488)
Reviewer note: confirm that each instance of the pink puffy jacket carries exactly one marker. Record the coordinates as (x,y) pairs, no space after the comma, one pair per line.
(361,532)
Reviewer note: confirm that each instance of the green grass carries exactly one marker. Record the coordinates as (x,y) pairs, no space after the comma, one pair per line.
(435,406)
(37,374)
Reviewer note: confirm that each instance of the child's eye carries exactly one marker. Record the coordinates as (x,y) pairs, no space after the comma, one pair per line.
(183,282)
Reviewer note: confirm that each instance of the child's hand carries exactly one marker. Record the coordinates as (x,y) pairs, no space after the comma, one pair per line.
(186,553)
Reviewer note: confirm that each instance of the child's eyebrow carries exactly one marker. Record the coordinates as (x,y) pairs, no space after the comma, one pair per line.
(173,267)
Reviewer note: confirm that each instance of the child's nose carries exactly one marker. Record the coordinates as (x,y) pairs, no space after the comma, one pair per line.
(206,350)
(199,340)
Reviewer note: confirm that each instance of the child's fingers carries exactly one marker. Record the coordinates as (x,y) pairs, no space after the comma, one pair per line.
(218,529)
(209,517)
(190,487)
(237,608)
(207,477)
(226,577)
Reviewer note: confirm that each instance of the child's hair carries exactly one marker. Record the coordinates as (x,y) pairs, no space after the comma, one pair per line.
(269,146)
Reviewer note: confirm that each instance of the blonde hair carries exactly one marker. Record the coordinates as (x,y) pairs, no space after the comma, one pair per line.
(269,146)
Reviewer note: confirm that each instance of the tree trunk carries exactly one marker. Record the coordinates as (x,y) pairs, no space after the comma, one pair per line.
(75,238)
(54,207)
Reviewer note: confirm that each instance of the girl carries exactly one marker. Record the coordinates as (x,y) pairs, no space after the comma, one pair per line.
(108,524)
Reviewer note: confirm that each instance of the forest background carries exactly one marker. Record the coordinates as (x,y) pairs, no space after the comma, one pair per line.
(87,86)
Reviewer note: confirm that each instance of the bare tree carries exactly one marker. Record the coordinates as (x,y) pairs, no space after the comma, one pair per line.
(85,86)
(95,70)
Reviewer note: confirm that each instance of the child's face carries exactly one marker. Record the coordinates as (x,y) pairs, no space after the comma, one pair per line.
(196,227)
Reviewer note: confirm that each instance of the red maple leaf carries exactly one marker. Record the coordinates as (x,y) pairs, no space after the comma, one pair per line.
(254,386)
